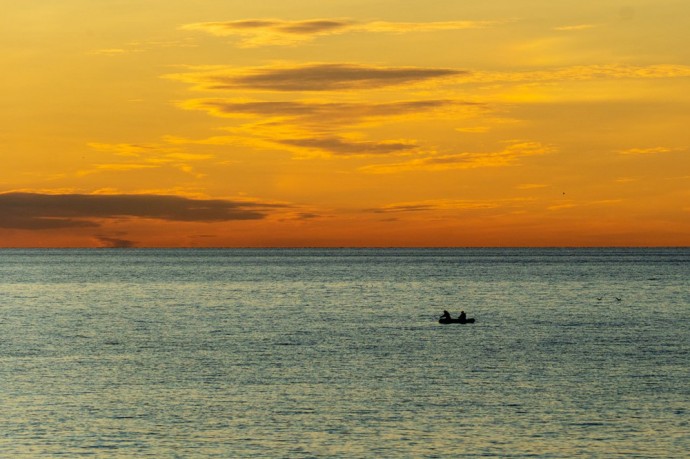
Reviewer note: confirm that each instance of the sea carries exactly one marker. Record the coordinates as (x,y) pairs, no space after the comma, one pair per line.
(338,353)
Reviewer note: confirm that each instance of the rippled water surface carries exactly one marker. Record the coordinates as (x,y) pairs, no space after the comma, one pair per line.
(338,353)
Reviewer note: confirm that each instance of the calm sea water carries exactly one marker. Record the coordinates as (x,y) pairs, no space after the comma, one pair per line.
(338,353)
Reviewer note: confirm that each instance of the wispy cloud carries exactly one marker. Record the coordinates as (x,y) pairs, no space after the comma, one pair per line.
(135,47)
(649,151)
(437,162)
(145,156)
(35,211)
(266,32)
(579,73)
(311,77)
(576,27)
(278,32)
(115,242)
(447,205)
(531,186)
(474,129)
(323,77)
(340,146)
(405,27)
(572,204)
(324,126)
(114,51)
(310,128)
(115,167)
(322,113)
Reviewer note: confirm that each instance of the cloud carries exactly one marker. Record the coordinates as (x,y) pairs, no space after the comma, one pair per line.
(340,146)
(474,129)
(312,77)
(36,211)
(296,109)
(324,127)
(405,27)
(320,77)
(115,243)
(264,32)
(126,149)
(506,157)
(396,208)
(143,46)
(580,73)
(531,186)
(580,204)
(320,114)
(307,216)
(446,205)
(278,32)
(145,156)
(627,179)
(113,51)
(119,167)
(648,151)
(576,28)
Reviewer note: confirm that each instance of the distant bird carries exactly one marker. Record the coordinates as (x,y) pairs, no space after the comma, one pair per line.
(618,299)
(599,298)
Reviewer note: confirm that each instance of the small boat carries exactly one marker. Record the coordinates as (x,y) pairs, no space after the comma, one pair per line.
(456,321)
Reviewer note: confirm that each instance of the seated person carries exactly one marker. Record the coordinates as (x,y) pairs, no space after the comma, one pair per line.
(463,316)
(445,316)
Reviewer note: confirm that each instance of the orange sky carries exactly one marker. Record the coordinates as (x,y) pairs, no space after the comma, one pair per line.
(344,123)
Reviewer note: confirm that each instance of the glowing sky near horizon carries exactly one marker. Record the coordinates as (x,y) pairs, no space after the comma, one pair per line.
(344,123)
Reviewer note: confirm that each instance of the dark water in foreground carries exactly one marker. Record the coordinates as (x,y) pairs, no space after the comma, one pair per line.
(337,353)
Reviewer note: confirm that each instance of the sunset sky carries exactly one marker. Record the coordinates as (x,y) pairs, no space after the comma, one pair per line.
(227,123)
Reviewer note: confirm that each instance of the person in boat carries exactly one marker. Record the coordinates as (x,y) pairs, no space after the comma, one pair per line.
(445,316)
(463,317)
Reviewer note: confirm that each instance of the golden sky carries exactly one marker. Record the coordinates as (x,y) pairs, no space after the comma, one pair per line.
(227,123)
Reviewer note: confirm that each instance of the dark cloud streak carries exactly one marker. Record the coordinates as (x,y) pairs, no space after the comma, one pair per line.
(36,211)
(315,26)
(308,27)
(405,208)
(278,32)
(338,146)
(320,77)
(320,111)
(115,243)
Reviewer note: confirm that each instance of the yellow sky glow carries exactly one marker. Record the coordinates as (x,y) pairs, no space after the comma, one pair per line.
(292,124)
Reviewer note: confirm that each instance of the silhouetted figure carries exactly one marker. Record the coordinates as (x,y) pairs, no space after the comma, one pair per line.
(463,317)
(445,316)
